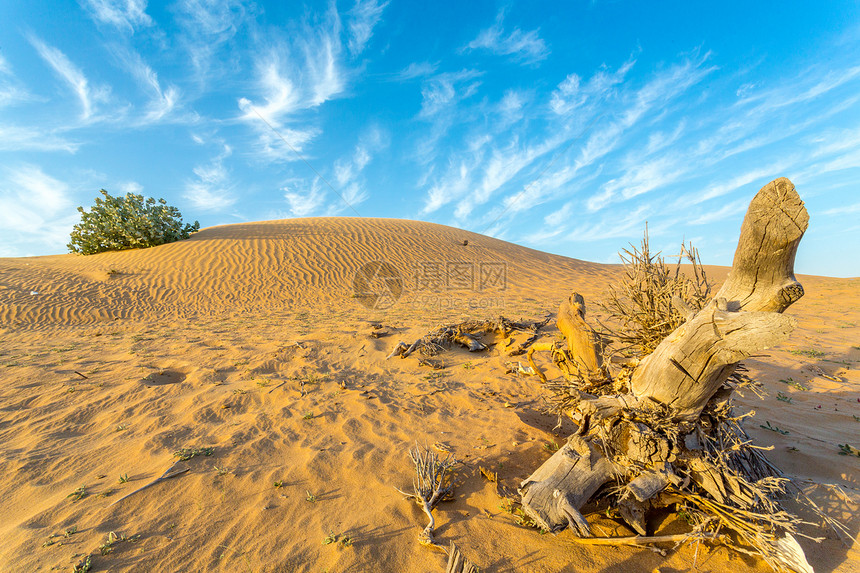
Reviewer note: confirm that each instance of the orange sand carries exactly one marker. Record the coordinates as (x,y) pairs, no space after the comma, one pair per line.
(247,338)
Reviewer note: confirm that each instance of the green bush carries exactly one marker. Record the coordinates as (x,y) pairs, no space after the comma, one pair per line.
(130,222)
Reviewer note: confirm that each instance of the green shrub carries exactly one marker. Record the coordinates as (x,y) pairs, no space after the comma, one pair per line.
(130,222)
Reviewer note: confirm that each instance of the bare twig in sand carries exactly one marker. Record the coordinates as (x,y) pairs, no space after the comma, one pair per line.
(432,484)
(82,375)
(170,473)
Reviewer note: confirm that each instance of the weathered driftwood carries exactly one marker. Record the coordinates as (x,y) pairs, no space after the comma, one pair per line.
(583,344)
(553,495)
(468,335)
(457,563)
(667,432)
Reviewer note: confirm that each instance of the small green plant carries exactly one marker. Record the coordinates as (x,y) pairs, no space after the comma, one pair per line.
(856,418)
(310,497)
(773,428)
(330,538)
(107,547)
(793,384)
(346,541)
(811,353)
(468,366)
(783,398)
(79,493)
(70,531)
(221,471)
(186,454)
(308,416)
(83,566)
(848,450)
(279,484)
(106,493)
(551,446)
(123,478)
(130,222)
(121,427)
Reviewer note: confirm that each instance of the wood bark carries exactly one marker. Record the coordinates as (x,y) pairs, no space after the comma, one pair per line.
(690,365)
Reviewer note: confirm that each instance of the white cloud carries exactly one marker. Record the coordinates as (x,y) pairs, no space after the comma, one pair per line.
(846,210)
(207,26)
(36,211)
(294,76)
(363,17)
(72,75)
(444,91)
(10,90)
(212,190)
(123,14)
(761,175)
(416,70)
(571,94)
(523,47)
(639,178)
(726,211)
(131,187)
(303,200)
(33,138)
(347,171)
(163,101)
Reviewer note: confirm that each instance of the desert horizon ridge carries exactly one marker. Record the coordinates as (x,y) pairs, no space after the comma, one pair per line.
(251,339)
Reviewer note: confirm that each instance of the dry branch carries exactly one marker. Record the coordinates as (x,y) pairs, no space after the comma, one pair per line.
(432,483)
(468,335)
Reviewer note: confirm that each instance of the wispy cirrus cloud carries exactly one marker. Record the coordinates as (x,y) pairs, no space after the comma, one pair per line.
(33,138)
(11,91)
(347,171)
(304,198)
(207,27)
(123,14)
(163,102)
(444,91)
(572,95)
(303,71)
(522,47)
(416,70)
(36,210)
(212,188)
(89,96)
(362,19)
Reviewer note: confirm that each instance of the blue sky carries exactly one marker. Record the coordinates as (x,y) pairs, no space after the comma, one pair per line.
(563,126)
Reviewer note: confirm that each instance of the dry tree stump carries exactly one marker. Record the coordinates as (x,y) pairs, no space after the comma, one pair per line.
(649,440)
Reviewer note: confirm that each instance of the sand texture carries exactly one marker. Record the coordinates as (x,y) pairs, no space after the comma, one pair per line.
(251,340)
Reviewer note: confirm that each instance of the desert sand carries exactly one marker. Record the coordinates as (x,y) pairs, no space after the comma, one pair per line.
(249,339)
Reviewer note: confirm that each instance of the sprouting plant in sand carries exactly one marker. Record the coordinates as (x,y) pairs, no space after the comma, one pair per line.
(83,566)
(432,483)
(186,454)
(78,494)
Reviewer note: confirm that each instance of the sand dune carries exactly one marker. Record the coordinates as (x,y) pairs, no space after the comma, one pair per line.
(252,339)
